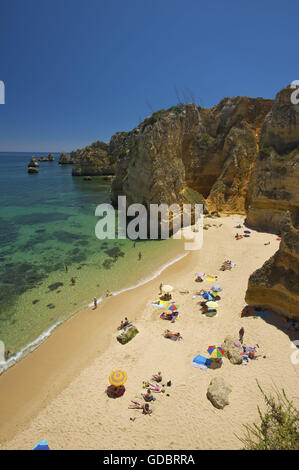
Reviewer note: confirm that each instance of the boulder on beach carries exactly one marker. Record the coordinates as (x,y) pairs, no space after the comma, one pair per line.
(232,351)
(127,334)
(218,393)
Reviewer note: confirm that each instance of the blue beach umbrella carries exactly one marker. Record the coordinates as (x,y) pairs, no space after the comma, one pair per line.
(42,445)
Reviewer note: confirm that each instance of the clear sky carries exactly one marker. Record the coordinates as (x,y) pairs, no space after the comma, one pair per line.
(77,71)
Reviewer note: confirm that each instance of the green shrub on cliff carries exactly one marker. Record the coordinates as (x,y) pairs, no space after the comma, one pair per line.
(279,426)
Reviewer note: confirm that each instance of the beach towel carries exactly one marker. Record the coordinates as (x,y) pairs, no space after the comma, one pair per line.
(201,362)
(247,231)
(210,279)
(126,326)
(160,303)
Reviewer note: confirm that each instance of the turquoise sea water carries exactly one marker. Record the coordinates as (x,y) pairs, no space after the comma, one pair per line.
(47,221)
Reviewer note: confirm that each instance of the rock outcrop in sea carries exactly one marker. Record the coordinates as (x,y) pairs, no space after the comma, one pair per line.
(33,165)
(93,160)
(273,187)
(64,159)
(276,284)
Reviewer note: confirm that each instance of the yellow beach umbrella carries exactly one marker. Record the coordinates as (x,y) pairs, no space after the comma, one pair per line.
(118,377)
(212,304)
(167,289)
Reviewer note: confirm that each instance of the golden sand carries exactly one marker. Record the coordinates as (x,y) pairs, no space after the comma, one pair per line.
(57,392)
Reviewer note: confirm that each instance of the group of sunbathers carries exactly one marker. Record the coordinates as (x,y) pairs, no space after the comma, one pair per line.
(171,316)
(123,324)
(148,396)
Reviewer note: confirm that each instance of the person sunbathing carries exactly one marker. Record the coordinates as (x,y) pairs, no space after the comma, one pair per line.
(156,388)
(169,334)
(157,377)
(140,406)
(148,396)
(123,324)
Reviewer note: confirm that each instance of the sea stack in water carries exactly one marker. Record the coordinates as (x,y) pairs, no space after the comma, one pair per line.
(33,165)
(276,284)
(96,159)
(64,159)
(51,157)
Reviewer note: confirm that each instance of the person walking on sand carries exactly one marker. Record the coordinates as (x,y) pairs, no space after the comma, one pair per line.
(73,280)
(241,335)
(95,302)
(139,255)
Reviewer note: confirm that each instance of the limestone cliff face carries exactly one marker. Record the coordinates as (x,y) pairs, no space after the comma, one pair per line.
(276,284)
(93,160)
(189,149)
(273,187)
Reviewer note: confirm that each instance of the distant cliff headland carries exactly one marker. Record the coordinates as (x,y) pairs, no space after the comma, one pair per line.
(241,156)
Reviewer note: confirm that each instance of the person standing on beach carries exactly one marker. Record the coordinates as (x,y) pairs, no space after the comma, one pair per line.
(161,285)
(241,335)
(140,255)
(134,244)
(66,268)
(73,280)
(95,302)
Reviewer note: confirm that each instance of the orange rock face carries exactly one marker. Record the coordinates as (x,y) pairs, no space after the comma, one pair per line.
(276,284)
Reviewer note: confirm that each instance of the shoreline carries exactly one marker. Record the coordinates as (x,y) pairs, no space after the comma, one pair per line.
(34,344)
(75,360)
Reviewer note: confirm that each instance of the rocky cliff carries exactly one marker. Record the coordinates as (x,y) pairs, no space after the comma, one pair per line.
(276,284)
(98,158)
(64,159)
(191,150)
(273,186)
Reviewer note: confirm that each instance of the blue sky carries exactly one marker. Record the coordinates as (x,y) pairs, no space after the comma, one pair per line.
(78,71)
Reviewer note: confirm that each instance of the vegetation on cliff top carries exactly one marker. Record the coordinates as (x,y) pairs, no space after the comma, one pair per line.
(278,428)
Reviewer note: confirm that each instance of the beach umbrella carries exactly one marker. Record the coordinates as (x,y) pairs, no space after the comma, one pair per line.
(118,377)
(166,289)
(215,352)
(42,445)
(173,306)
(212,304)
(216,288)
(207,296)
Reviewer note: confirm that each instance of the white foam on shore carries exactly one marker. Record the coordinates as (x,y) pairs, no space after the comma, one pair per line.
(41,338)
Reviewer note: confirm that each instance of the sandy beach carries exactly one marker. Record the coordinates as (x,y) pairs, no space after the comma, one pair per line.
(57,392)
